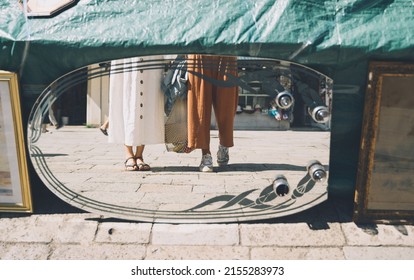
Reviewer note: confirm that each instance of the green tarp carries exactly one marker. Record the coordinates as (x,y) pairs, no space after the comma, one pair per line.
(330,32)
(335,37)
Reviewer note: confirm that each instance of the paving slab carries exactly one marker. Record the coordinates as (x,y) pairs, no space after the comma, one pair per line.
(72,228)
(184,252)
(13,229)
(28,229)
(378,234)
(195,234)
(98,252)
(47,228)
(297,253)
(124,233)
(378,253)
(287,235)
(24,251)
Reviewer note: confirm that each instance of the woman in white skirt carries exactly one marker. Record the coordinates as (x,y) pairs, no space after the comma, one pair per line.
(136,109)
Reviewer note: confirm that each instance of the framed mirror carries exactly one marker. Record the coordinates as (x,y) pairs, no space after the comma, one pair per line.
(385,181)
(282,107)
(15,193)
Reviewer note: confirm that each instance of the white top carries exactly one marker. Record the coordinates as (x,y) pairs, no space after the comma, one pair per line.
(136,108)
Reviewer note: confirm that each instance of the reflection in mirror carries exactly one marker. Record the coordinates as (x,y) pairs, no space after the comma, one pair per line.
(278,166)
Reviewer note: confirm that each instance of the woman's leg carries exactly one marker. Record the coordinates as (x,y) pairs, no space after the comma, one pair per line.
(225,100)
(104,127)
(199,100)
(130,161)
(142,166)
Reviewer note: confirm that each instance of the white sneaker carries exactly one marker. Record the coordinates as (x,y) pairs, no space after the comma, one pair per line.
(206,164)
(222,155)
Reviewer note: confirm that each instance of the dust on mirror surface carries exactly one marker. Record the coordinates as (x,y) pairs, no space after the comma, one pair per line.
(279,163)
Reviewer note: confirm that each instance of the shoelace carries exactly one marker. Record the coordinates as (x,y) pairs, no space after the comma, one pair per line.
(207,160)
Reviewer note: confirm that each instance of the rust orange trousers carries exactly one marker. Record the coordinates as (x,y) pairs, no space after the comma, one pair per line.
(206,91)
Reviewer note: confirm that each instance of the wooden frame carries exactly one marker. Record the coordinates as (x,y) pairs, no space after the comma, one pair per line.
(14,180)
(385,180)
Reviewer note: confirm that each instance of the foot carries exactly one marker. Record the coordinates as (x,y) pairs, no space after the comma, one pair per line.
(131,164)
(206,164)
(104,131)
(142,166)
(222,156)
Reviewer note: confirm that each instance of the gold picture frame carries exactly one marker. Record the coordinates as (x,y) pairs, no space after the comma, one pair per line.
(15,195)
(385,180)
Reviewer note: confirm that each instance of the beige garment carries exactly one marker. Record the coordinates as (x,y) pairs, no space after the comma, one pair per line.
(136,109)
(204,94)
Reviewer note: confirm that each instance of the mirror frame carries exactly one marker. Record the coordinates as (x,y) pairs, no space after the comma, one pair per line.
(375,94)
(19,197)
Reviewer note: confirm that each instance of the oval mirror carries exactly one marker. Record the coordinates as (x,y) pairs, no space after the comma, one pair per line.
(279,164)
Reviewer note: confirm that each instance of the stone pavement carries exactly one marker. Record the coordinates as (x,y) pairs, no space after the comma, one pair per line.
(323,232)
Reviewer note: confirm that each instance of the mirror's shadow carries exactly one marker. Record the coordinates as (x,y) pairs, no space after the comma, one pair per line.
(269,173)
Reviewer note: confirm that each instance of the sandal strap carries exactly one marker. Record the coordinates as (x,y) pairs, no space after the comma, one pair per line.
(142,166)
(129,159)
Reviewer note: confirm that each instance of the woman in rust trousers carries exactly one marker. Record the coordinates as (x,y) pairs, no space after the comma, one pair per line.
(211,84)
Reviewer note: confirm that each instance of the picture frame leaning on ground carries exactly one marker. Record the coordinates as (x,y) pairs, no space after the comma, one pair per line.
(385,180)
(15,195)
